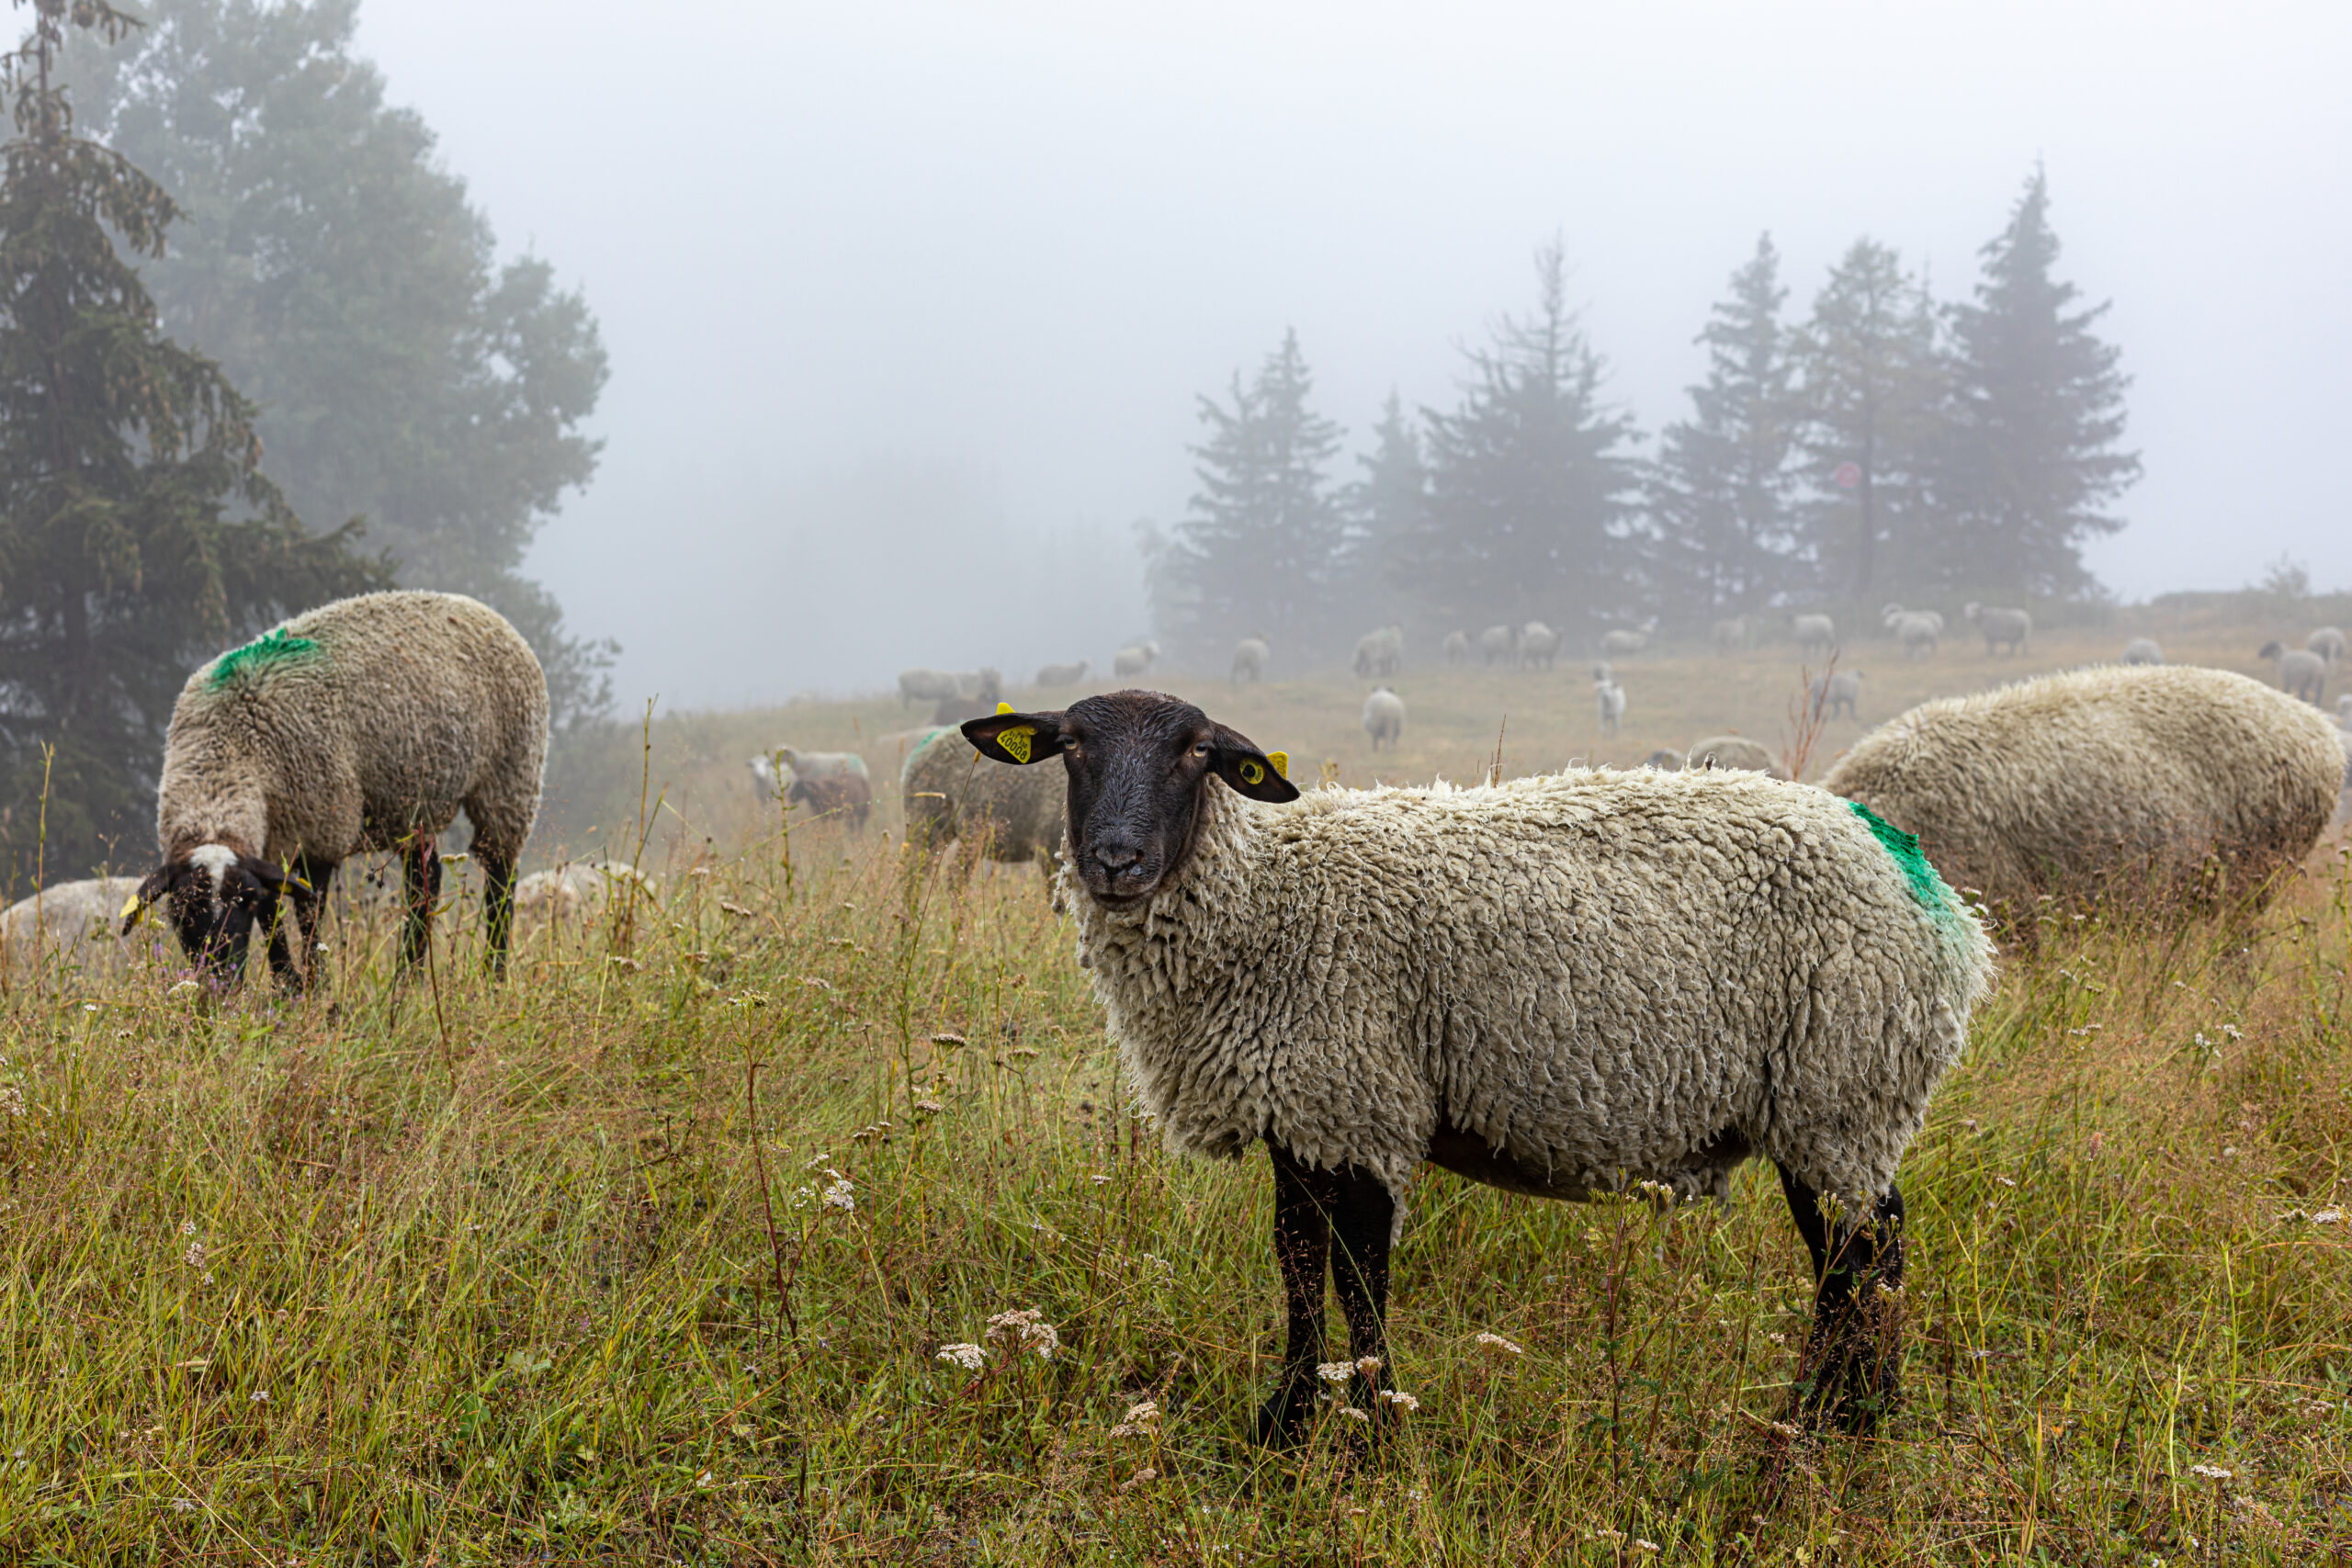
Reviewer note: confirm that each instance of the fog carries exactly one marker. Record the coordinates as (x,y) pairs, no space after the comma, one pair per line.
(908,305)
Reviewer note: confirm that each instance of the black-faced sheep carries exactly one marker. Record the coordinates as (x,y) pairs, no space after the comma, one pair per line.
(2143,651)
(2301,671)
(1250,655)
(954,795)
(363,724)
(1384,718)
(2004,629)
(1559,985)
(2110,778)
(1735,752)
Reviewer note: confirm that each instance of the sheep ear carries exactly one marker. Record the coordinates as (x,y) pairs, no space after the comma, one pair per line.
(1009,737)
(1252,772)
(148,891)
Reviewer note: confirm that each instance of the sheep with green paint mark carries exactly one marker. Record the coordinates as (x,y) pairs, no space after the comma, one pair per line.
(1559,985)
(364,724)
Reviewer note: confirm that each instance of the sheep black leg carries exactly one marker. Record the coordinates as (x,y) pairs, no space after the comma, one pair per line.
(1362,1218)
(1853,1356)
(1303,1201)
(421,881)
(498,906)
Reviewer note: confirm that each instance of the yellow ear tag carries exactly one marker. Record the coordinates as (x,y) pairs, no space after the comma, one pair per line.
(1015,741)
(130,909)
(1281,759)
(1005,707)
(1250,772)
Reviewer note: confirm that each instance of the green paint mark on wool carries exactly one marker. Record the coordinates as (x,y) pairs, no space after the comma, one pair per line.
(279,646)
(1925,885)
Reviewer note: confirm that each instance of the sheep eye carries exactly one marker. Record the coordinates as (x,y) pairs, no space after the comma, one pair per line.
(1200,748)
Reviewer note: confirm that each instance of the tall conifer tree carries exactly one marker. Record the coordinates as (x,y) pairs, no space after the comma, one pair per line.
(1387,505)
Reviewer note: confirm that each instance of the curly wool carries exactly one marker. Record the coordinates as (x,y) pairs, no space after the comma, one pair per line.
(1598,972)
(954,795)
(354,724)
(2066,784)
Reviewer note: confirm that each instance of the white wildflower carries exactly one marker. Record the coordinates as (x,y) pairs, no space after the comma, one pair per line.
(187,1227)
(838,1195)
(1368,1365)
(183,1504)
(1498,1344)
(971,1358)
(1026,1330)
(1145,1412)
(1353,1413)
(195,1254)
(1143,1477)
(259,1396)
(2328,1217)
(1645,1545)
(1401,1399)
(1336,1372)
(2210,1472)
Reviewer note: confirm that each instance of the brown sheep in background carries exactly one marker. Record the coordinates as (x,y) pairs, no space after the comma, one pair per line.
(2072,784)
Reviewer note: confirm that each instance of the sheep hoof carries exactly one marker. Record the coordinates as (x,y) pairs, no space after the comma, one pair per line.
(1283,1420)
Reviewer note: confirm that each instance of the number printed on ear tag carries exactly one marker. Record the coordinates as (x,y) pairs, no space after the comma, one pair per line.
(1251,772)
(1015,741)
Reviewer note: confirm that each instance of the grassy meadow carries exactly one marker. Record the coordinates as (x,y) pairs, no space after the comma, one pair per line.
(650,1254)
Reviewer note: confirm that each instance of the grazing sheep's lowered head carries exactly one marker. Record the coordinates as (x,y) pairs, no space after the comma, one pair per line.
(215,898)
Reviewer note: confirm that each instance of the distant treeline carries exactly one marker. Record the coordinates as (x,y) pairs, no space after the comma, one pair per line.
(1886,446)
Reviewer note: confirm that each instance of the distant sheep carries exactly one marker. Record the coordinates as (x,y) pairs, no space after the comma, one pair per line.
(2143,651)
(1917,630)
(2065,784)
(1816,635)
(1133,659)
(829,784)
(1603,671)
(365,723)
(1735,754)
(1455,648)
(954,795)
(1624,641)
(1833,695)
(573,897)
(1062,674)
(1538,643)
(1664,761)
(2328,643)
(1611,699)
(1560,986)
(2004,629)
(1380,653)
(926,686)
(1494,644)
(1250,655)
(1733,635)
(74,926)
(988,690)
(1384,718)
(2300,670)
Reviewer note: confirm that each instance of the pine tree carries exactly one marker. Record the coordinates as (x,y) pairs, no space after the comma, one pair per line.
(1722,490)
(2036,409)
(1870,387)
(1529,513)
(137,534)
(1386,505)
(1258,552)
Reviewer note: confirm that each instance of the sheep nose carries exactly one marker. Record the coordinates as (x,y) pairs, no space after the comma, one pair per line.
(1116,857)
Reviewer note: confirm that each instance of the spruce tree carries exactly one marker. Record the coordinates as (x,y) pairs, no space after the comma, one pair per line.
(1387,505)
(1869,393)
(1720,491)
(2037,410)
(1258,552)
(137,534)
(1529,511)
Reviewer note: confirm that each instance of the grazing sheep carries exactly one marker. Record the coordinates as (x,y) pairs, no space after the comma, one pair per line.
(1250,655)
(365,723)
(988,690)
(1917,630)
(573,896)
(1664,761)
(2070,783)
(926,685)
(2002,628)
(1455,648)
(1538,643)
(1735,754)
(1613,704)
(1380,653)
(1815,635)
(1734,635)
(1384,718)
(1133,659)
(1496,643)
(1062,674)
(1831,694)
(954,795)
(829,783)
(2143,651)
(2300,671)
(1622,641)
(2328,643)
(74,925)
(1559,985)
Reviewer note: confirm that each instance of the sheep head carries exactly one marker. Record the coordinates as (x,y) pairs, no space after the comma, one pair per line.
(216,896)
(1138,764)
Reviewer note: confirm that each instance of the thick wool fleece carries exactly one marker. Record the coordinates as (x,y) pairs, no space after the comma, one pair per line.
(354,723)
(2067,783)
(954,795)
(1600,974)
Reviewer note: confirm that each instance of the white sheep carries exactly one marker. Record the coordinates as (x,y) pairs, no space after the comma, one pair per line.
(1538,643)
(1379,653)
(2301,671)
(1733,635)
(2143,651)
(1062,674)
(2328,643)
(367,723)
(1611,699)
(2002,629)
(1816,635)
(927,686)
(1384,718)
(1133,659)
(1455,648)
(1833,695)
(1622,641)
(1564,985)
(2344,711)
(573,895)
(2112,779)
(1734,751)
(1494,644)
(1250,655)
(1917,630)
(74,926)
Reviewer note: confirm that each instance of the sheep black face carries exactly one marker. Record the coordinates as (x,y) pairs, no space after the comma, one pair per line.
(216,898)
(1137,763)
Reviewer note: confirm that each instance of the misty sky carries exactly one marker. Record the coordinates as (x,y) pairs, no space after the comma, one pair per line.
(908,304)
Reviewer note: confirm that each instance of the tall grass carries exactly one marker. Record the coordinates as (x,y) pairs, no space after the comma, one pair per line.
(655,1255)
